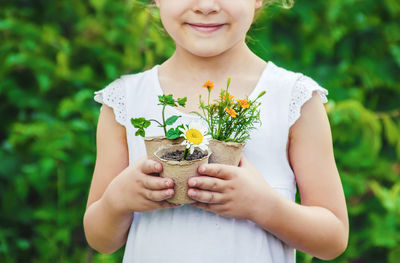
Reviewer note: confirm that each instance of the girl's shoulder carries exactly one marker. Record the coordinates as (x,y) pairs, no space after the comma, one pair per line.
(115,93)
(299,89)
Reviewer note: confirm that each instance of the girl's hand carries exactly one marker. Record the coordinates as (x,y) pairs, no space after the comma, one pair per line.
(136,190)
(228,190)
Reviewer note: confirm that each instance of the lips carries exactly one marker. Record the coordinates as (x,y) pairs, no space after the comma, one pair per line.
(206,28)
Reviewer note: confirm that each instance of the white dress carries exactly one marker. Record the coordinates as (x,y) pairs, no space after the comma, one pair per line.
(187,233)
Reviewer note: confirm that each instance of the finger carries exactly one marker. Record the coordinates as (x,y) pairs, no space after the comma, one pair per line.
(207,183)
(206,196)
(149,166)
(221,171)
(157,183)
(158,195)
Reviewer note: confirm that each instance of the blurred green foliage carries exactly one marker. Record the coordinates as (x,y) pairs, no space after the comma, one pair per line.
(54,54)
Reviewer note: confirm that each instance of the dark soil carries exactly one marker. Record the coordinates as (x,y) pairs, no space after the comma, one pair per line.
(178,155)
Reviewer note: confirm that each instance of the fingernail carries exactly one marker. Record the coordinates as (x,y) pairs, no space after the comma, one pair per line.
(168,193)
(194,182)
(167,183)
(192,193)
(202,169)
(157,166)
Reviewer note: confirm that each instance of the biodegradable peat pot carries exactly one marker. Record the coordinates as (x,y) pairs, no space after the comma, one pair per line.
(180,171)
(153,143)
(225,152)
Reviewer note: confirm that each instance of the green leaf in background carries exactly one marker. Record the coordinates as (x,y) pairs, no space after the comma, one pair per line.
(391,131)
(55,54)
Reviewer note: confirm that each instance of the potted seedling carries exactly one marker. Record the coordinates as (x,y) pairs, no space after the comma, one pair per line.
(180,162)
(229,123)
(171,136)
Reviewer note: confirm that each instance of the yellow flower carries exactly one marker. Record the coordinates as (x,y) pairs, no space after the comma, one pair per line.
(244,104)
(231,112)
(195,136)
(209,85)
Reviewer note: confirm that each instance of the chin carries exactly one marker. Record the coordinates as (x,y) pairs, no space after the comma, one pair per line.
(211,51)
(206,53)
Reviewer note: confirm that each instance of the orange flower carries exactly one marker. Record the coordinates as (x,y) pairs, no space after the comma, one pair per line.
(231,112)
(244,104)
(209,85)
(229,96)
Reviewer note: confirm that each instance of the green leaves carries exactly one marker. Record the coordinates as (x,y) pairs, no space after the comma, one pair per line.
(164,100)
(391,130)
(171,120)
(228,82)
(182,101)
(228,120)
(174,133)
(140,124)
(170,101)
(167,100)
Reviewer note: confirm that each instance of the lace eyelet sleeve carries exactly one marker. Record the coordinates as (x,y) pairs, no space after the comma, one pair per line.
(114,96)
(301,93)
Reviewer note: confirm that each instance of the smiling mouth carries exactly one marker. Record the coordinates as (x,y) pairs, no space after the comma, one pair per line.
(206,28)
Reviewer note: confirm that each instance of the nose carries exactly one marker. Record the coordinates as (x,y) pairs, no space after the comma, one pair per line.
(206,7)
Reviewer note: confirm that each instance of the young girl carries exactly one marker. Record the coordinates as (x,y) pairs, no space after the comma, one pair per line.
(242,214)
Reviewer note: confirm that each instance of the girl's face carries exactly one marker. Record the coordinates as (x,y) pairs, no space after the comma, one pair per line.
(207,28)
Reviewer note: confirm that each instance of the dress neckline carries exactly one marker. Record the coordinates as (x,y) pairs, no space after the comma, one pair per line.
(251,96)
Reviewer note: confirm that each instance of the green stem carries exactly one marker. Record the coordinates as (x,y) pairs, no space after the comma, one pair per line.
(209,116)
(220,120)
(236,122)
(163,118)
(219,130)
(185,153)
(156,121)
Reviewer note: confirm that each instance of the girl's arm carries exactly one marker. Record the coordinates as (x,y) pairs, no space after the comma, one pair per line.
(319,226)
(117,190)
(104,230)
